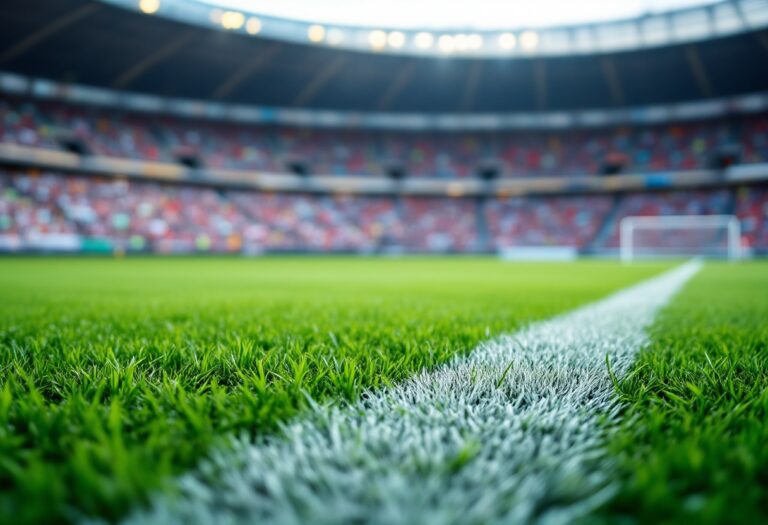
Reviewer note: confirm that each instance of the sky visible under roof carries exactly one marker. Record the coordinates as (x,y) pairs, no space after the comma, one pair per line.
(441,14)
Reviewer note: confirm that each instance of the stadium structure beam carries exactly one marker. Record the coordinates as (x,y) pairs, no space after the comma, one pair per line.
(614,82)
(470,88)
(761,36)
(396,87)
(240,74)
(47,31)
(141,67)
(320,79)
(703,82)
(540,85)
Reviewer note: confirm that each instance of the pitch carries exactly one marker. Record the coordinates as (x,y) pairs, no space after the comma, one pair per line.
(120,375)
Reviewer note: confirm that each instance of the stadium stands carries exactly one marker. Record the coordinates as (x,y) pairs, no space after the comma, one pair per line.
(182,219)
(440,224)
(59,212)
(554,221)
(345,152)
(289,222)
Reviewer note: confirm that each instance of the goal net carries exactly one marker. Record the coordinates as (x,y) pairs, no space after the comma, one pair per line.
(680,235)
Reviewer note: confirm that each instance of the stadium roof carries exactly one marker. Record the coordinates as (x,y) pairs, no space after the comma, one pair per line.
(439,15)
(482,28)
(93,43)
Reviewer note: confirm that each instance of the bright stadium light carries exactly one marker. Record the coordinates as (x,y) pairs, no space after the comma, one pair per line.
(253,25)
(475,42)
(232,20)
(507,41)
(461,42)
(396,39)
(446,44)
(377,39)
(316,33)
(149,7)
(442,16)
(424,40)
(529,40)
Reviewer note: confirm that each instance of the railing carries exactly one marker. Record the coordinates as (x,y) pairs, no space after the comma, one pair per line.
(36,88)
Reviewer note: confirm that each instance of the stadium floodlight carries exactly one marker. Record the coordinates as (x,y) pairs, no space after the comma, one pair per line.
(507,41)
(253,26)
(232,20)
(396,39)
(377,38)
(446,43)
(461,42)
(316,33)
(424,40)
(475,41)
(680,235)
(149,7)
(529,40)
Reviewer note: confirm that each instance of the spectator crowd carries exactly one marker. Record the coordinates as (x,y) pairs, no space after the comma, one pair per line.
(58,211)
(357,152)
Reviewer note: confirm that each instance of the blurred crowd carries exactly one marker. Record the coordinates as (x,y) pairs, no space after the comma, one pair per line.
(414,154)
(57,211)
(145,216)
(546,221)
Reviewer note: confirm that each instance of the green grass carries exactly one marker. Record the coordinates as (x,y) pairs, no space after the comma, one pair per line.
(694,444)
(117,374)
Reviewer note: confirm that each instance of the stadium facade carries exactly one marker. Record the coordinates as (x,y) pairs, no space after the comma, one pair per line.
(167,131)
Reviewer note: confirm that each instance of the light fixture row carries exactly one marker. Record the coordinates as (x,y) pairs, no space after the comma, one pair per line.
(378,39)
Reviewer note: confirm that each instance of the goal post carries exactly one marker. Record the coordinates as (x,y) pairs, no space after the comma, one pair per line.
(680,235)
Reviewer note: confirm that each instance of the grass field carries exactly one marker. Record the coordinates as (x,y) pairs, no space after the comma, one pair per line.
(693,448)
(116,375)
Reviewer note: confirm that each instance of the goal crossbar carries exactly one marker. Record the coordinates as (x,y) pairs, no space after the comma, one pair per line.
(629,225)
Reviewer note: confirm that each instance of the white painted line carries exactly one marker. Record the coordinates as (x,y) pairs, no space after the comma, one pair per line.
(510,434)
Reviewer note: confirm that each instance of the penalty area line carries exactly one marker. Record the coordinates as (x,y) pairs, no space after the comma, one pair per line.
(511,433)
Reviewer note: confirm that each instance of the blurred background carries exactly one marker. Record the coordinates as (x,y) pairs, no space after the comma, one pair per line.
(255,126)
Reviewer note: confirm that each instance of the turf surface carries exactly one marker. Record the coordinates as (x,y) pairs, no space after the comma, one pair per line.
(694,444)
(116,374)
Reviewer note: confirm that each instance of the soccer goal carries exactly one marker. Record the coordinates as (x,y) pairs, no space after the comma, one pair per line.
(680,236)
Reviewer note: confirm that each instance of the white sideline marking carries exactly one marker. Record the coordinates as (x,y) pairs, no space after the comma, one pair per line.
(511,433)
